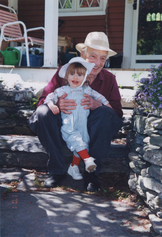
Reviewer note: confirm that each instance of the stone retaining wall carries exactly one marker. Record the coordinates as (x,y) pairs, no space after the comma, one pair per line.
(15,104)
(145,161)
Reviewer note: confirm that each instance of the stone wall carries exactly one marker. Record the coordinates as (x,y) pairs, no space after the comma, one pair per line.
(145,161)
(16,103)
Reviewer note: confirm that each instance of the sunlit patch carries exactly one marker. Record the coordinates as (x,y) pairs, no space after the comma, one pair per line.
(83,213)
(75,230)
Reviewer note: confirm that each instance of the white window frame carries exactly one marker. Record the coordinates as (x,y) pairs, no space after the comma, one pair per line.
(76,11)
(130,40)
(135,57)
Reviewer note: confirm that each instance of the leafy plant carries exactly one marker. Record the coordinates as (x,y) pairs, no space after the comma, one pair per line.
(135,77)
(33,103)
(119,195)
(149,92)
(38,183)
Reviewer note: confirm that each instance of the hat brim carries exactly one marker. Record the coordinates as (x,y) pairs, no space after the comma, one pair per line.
(81,46)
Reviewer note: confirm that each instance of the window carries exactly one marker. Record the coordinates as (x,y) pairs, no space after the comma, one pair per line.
(154,17)
(82,7)
(150,28)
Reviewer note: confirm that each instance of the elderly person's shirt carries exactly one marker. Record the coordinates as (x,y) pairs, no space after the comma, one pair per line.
(105,83)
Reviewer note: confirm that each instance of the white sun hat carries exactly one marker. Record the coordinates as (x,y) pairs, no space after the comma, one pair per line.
(87,65)
(96,40)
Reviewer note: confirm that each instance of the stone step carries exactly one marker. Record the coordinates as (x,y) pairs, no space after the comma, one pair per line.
(27,152)
(16,122)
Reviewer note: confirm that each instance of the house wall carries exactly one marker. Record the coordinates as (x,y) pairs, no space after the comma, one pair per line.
(78,27)
(4,2)
(31,12)
(115,21)
(112,23)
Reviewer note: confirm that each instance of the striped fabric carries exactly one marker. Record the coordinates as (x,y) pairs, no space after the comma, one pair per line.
(13,32)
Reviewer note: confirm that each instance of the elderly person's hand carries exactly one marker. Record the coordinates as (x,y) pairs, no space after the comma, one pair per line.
(66,105)
(90,103)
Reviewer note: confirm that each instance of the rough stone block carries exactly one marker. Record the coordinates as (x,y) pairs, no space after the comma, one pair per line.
(5,104)
(156,140)
(152,184)
(133,156)
(134,168)
(23,159)
(157,124)
(3,113)
(21,143)
(17,96)
(132,181)
(156,223)
(139,124)
(153,156)
(155,172)
(151,201)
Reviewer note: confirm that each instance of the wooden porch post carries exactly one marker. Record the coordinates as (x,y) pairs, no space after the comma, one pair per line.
(51,33)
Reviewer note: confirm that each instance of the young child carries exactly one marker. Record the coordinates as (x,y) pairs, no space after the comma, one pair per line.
(74,126)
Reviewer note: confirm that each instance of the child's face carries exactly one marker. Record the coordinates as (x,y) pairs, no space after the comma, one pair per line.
(75,79)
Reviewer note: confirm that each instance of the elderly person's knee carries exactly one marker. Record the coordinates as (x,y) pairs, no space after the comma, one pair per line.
(44,113)
(105,117)
(42,110)
(45,116)
(104,114)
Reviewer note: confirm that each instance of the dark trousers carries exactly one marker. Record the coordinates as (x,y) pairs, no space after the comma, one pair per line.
(103,124)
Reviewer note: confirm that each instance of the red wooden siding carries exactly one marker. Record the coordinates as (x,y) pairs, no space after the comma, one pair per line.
(115,24)
(4,2)
(32,14)
(78,27)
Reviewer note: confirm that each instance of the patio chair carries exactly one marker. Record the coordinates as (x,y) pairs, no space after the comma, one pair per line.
(10,31)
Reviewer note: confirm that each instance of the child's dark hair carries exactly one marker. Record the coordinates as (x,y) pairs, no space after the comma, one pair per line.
(75,67)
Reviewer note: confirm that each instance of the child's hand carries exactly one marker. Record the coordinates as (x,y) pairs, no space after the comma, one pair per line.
(53,108)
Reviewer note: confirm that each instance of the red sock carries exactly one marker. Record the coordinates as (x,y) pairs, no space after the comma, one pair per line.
(83,154)
(76,160)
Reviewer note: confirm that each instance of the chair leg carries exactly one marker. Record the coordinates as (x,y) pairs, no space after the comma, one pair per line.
(21,53)
(27,55)
(1,41)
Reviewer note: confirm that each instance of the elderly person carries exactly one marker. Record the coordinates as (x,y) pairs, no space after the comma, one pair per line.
(103,121)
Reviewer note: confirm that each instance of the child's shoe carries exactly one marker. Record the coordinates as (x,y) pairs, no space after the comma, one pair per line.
(90,166)
(74,172)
